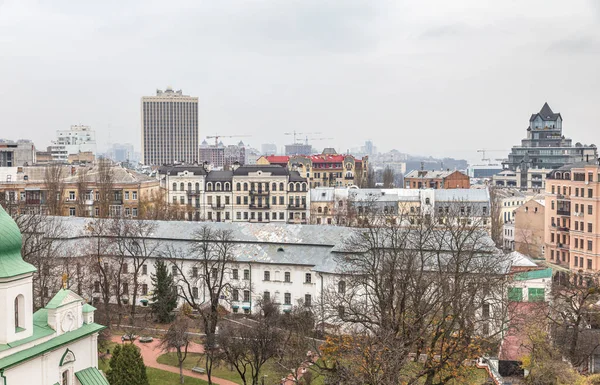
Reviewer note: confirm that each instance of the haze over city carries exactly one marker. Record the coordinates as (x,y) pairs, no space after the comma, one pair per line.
(413,76)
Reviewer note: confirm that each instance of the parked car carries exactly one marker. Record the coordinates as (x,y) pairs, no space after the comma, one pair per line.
(145,339)
(128,337)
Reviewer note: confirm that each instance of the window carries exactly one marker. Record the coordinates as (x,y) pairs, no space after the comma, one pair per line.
(266,296)
(71,195)
(536,294)
(65,378)
(245,186)
(307,300)
(281,216)
(125,288)
(246,295)
(590,210)
(194,292)
(342,287)
(589,264)
(72,211)
(174,186)
(194,272)
(134,212)
(174,270)
(287,276)
(144,289)
(126,195)
(287,299)
(267,276)
(589,246)
(246,274)
(308,278)
(96,287)
(515,294)
(589,227)
(551,254)
(235,294)
(281,200)
(234,274)
(125,268)
(590,193)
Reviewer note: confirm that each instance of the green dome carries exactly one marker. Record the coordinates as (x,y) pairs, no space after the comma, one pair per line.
(11,261)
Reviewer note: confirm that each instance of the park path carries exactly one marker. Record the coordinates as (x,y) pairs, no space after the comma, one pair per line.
(150,353)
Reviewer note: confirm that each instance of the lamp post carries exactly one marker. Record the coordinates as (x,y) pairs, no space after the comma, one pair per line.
(263,378)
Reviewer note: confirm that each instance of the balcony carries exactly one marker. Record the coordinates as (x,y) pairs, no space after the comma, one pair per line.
(563,197)
(259,206)
(217,206)
(259,192)
(349,177)
(563,212)
(562,246)
(193,192)
(563,229)
(297,207)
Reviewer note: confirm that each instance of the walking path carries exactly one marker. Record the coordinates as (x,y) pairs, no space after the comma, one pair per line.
(150,353)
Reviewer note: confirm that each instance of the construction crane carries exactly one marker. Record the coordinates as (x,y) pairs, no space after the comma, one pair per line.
(484,150)
(306,139)
(294,133)
(225,136)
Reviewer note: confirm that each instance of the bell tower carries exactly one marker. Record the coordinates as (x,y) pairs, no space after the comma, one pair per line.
(16,284)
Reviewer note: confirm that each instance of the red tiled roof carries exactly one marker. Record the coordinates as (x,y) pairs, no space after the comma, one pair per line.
(278,158)
(326,158)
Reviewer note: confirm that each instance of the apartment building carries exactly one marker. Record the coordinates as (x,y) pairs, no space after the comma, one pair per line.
(25,190)
(436,179)
(251,193)
(77,139)
(544,149)
(169,128)
(220,156)
(572,216)
(328,169)
(529,228)
(19,153)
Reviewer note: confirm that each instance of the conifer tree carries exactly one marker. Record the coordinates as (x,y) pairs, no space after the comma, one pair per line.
(164,299)
(127,366)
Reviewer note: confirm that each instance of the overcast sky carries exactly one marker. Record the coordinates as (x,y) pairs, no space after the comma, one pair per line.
(430,77)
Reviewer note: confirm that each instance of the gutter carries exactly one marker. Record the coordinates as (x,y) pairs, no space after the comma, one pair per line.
(2,377)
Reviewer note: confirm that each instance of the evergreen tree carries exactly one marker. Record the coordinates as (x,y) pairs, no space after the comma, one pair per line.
(164,299)
(127,366)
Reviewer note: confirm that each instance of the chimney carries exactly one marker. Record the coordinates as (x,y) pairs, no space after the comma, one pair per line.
(235,165)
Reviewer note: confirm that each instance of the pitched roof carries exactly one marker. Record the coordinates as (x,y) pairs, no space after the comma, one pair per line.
(173,170)
(62,298)
(277,158)
(91,376)
(546,113)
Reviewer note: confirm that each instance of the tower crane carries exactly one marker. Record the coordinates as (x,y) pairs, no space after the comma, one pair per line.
(306,139)
(294,133)
(484,150)
(225,136)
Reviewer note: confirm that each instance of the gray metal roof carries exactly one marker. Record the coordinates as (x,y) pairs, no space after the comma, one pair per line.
(271,168)
(219,176)
(462,194)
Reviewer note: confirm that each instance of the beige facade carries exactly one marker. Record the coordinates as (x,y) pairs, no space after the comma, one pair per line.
(529,228)
(573,217)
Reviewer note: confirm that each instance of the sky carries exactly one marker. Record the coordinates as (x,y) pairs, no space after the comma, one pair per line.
(441,78)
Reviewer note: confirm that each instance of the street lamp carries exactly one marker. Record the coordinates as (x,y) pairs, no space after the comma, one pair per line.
(263,378)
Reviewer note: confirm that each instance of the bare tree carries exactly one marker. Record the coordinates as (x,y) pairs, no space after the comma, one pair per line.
(105,185)
(433,290)
(496,216)
(178,338)
(248,347)
(212,254)
(54,175)
(388,178)
(82,191)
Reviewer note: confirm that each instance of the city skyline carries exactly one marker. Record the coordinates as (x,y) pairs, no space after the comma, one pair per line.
(406,77)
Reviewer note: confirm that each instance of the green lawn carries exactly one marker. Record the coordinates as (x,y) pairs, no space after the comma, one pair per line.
(161,377)
(270,369)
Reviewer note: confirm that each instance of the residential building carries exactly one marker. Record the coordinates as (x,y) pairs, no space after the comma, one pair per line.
(529,228)
(19,153)
(508,236)
(81,158)
(268,149)
(510,200)
(250,193)
(328,169)
(483,171)
(169,128)
(57,344)
(221,156)
(25,190)
(77,139)
(544,149)
(298,149)
(436,179)
(121,152)
(573,217)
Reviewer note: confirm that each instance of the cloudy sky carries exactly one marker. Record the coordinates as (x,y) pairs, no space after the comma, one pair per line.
(425,77)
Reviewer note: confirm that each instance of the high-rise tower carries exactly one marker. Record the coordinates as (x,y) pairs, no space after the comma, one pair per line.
(169,128)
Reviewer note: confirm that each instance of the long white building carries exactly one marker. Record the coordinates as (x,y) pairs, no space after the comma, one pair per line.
(77,139)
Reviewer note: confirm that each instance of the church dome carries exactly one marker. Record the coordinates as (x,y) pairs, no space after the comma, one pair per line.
(11,261)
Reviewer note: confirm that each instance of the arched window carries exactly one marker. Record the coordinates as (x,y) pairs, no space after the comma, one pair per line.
(227,188)
(238,186)
(189,186)
(303,186)
(245,186)
(197,186)
(274,187)
(209,186)
(19,312)
(320,210)
(291,187)
(174,186)
(218,186)
(280,186)
(252,186)
(567,176)
(342,287)
(326,209)
(181,186)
